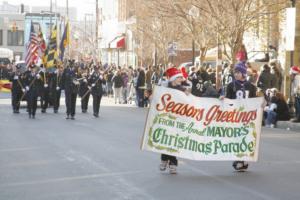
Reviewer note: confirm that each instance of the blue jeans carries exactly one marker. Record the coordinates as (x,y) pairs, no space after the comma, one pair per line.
(297,107)
(271,117)
(109,88)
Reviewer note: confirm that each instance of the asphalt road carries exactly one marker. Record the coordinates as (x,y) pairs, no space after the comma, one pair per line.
(51,158)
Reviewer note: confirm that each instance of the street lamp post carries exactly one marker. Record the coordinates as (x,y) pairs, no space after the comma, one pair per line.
(290,99)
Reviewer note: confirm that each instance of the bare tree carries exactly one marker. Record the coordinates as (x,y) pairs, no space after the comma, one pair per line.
(155,30)
(232,18)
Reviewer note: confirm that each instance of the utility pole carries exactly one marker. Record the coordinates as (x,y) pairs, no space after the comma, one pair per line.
(193,52)
(50,18)
(97,25)
(97,20)
(67,7)
(291,99)
(84,43)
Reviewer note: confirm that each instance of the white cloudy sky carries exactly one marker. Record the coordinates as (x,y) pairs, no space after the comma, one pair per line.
(83,6)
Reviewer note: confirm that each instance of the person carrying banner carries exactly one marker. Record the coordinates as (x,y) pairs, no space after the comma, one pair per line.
(198,78)
(175,82)
(240,88)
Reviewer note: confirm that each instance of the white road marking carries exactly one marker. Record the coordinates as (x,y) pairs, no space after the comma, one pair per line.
(32,163)
(74,178)
(19,149)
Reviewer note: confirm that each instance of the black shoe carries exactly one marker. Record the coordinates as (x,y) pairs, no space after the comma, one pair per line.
(240,166)
(17,112)
(43,111)
(84,111)
(33,117)
(55,111)
(72,117)
(29,116)
(96,115)
(68,117)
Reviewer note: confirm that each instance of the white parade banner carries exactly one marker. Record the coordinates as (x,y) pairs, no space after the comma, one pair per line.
(203,128)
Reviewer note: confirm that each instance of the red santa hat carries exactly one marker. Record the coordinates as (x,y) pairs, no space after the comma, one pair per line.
(173,73)
(295,70)
(184,73)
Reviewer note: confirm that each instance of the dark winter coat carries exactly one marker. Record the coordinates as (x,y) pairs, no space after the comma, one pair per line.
(266,80)
(97,80)
(236,86)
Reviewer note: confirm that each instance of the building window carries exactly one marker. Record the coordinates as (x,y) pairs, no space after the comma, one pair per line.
(15,38)
(1,37)
(18,55)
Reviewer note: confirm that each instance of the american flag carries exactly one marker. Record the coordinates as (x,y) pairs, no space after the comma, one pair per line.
(32,47)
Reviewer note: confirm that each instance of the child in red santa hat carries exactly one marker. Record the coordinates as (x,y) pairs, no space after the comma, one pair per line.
(176,79)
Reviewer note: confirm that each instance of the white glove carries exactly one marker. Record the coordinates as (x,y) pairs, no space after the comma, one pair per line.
(16,77)
(273,106)
(93,85)
(23,90)
(266,108)
(27,88)
(38,76)
(84,80)
(43,70)
(57,88)
(56,71)
(89,87)
(101,77)
(45,85)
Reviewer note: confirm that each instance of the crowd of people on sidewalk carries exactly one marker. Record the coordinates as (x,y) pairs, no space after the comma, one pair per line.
(128,85)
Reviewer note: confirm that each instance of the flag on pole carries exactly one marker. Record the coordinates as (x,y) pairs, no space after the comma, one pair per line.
(42,43)
(32,47)
(65,41)
(51,51)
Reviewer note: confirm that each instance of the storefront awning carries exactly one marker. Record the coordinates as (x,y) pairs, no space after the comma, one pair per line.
(118,43)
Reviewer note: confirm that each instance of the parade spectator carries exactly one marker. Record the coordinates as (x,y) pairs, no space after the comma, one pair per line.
(125,85)
(117,85)
(149,74)
(295,91)
(276,110)
(209,90)
(242,55)
(163,81)
(156,76)
(265,79)
(140,87)
(251,73)
(277,76)
(109,83)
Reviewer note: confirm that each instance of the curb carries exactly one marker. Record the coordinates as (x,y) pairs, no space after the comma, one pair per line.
(287,125)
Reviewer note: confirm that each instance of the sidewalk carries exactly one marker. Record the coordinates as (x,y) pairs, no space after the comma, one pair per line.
(287,125)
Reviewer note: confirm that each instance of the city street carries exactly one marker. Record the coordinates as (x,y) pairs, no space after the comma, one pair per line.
(89,158)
